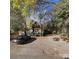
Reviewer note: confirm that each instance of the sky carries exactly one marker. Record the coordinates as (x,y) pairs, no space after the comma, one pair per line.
(50,7)
(56,1)
(43,8)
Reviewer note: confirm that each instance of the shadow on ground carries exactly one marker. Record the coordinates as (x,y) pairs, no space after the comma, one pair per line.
(27,41)
(66,58)
(30,40)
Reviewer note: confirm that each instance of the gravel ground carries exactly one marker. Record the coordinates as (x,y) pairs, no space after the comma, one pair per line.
(41,48)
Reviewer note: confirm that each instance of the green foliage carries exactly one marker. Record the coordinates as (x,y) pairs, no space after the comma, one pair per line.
(58,25)
(25,11)
(61,19)
(23,5)
(19,12)
(15,25)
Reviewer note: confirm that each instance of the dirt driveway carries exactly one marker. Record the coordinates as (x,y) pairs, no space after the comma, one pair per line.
(41,48)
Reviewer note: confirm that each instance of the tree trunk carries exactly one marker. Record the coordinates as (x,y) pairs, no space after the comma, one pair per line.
(41,27)
(25,27)
(41,30)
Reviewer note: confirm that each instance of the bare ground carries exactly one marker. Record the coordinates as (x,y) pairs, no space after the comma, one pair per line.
(42,48)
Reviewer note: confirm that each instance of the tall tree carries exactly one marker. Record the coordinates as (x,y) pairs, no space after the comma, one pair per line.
(23,6)
(61,19)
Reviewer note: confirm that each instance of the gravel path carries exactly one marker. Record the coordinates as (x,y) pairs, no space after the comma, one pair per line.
(42,48)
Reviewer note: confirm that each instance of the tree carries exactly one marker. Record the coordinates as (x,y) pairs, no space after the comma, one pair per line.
(23,6)
(61,19)
(43,9)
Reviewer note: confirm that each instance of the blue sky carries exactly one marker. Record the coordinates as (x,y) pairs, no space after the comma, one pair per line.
(50,7)
(47,7)
(56,1)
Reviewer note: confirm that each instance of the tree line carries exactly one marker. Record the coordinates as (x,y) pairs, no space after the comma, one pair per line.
(20,10)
